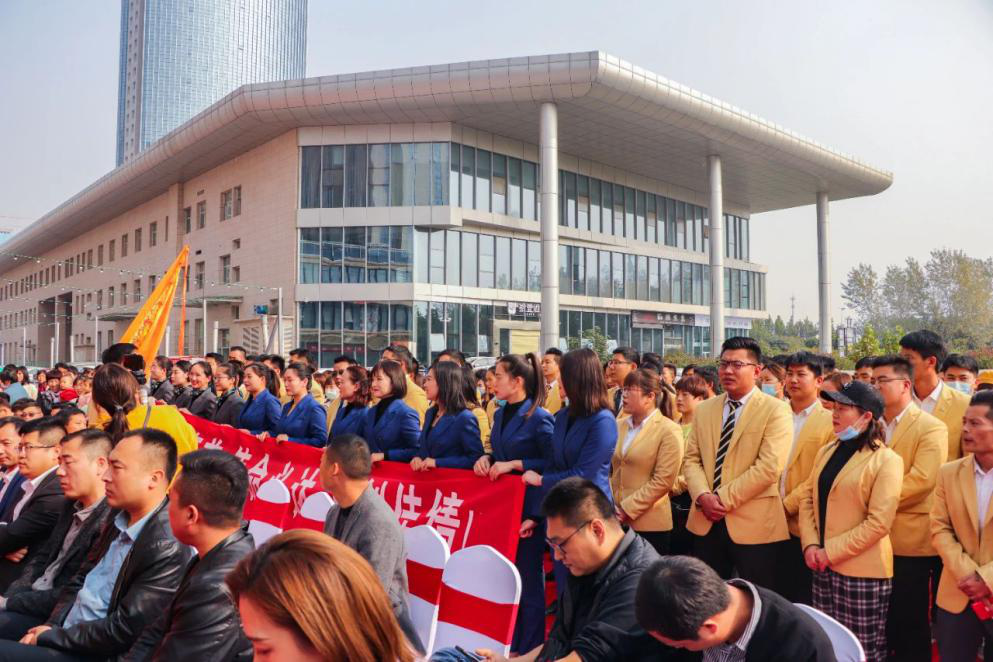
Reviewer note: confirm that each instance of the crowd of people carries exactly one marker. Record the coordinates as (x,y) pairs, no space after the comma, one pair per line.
(686,511)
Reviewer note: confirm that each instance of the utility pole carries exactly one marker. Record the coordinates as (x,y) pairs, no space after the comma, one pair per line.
(792,309)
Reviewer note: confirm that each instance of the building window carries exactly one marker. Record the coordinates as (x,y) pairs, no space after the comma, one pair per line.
(99,255)
(332,176)
(151,283)
(137,240)
(153,233)
(227,205)
(111,250)
(225,269)
(237,200)
(201,215)
(235,244)
(137,290)
(187,220)
(124,245)
(199,272)
(124,294)
(110,297)
(235,274)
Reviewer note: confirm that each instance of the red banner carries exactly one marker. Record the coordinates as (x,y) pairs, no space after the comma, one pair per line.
(465,509)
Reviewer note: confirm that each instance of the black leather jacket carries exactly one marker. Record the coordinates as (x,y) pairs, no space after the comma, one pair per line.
(202,623)
(145,584)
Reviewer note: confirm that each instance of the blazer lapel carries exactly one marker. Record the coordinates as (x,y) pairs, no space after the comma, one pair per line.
(644,433)
(944,401)
(908,420)
(854,464)
(968,483)
(438,431)
(745,418)
(515,423)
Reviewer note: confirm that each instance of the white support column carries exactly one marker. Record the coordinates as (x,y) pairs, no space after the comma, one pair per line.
(716,255)
(824,271)
(204,331)
(549,156)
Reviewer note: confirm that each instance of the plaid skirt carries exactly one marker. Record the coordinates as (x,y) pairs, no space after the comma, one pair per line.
(858,603)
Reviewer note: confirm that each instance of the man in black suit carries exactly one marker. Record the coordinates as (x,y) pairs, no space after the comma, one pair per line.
(83,461)
(684,604)
(10,477)
(32,515)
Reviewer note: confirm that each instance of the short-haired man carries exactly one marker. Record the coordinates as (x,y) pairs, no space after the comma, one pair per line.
(13,388)
(960,525)
(27,410)
(72,419)
(551,369)
(237,353)
(10,438)
(623,361)
(921,441)
(735,453)
(683,603)
(863,369)
(812,428)
(960,371)
(925,350)
(669,372)
(416,399)
(303,355)
(116,353)
(595,617)
(708,374)
(30,517)
(206,503)
(83,461)
(361,519)
(131,573)
(453,355)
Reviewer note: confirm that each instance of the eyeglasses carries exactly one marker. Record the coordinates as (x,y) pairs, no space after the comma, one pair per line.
(339,373)
(875,381)
(733,365)
(560,546)
(22,449)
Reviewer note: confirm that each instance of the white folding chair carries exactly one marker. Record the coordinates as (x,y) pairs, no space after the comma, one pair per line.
(427,555)
(480,593)
(847,647)
(274,494)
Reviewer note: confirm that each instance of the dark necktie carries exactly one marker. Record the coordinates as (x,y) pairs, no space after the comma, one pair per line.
(727,431)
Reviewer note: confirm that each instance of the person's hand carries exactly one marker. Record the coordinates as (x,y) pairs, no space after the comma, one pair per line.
(378,457)
(974,587)
(490,656)
(30,638)
(184,410)
(482,466)
(527,528)
(415,463)
(262,436)
(428,464)
(532,478)
(17,555)
(712,507)
(281,438)
(500,468)
(816,558)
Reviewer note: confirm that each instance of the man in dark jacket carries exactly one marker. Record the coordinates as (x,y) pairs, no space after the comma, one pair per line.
(205,509)
(32,515)
(595,618)
(131,573)
(83,461)
(683,603)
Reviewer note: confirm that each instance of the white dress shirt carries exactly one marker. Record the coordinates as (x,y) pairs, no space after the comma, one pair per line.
(891,426)
(799,419)
(737,412)
(29,486)
(984,492)
(634,430)
(930,402)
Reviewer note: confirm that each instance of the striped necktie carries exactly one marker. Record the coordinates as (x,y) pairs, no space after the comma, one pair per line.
(722,448)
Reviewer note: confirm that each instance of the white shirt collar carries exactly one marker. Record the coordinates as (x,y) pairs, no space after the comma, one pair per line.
(744,399)
(643,421)
(806,412)
(896,419)
(978,470)
(933,396)
(37,479)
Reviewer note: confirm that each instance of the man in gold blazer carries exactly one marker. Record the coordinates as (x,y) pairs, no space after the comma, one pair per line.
(921,440)
(963,535)
(735,454)
(812,429)
(416,399)
(551,364)
(926,352)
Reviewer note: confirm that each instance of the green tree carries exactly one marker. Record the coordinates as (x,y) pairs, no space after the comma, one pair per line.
(596,341)
(867,345)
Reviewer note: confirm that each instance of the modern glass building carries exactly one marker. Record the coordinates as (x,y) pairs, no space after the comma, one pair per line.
(493,206)
(180,56)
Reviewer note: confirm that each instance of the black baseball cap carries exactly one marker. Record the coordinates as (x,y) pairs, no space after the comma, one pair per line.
(857,394)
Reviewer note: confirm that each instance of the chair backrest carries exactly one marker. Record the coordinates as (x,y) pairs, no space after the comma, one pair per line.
(427,555)
(847,647)
(268,512)
(480,593)
(312,513)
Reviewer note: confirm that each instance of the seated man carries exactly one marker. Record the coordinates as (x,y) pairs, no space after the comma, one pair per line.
(10,476)
(32,515)
(83,460)
(26,409)
(595,618)
(129,576)
(684,603)
(363,521)
(205,508)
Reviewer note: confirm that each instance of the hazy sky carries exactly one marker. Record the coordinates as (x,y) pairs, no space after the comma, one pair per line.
(905,85)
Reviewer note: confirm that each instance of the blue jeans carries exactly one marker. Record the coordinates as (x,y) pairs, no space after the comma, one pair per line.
(452,655)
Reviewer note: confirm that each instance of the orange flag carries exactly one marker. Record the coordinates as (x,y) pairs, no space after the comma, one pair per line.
(149,325)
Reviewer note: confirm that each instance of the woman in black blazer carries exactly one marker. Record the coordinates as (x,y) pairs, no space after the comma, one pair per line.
(202,401)
(227,379)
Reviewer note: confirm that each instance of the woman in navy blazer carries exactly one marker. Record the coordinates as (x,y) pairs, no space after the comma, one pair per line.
(304,420)
(585,434)
(261,412)
(391,425)
(450,438)
(353,389)
(521,439)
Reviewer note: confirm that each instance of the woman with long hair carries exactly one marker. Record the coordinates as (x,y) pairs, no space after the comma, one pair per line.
(179,375)
(304,419)
(262,410)
(474,405)
(227,379)
(646,462)
(390,426)
(353,389)
(116,393)
(520,440)
(306,597)
(846,512)
(450,437)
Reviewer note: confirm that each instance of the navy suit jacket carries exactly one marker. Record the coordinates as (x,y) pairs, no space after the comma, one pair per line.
(11,497)
(454,442)
(584,449)
(524,438)
(307,423)
(261,413)
(399,428)
(348,420)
